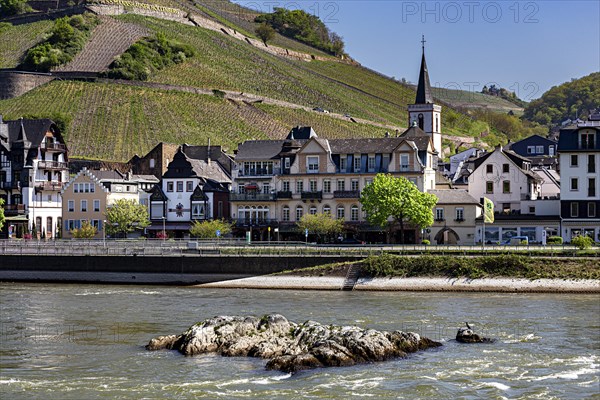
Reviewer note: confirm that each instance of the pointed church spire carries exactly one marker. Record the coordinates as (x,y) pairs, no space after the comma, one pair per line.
(424,89)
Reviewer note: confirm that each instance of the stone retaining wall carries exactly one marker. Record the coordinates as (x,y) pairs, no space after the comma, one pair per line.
(15,83)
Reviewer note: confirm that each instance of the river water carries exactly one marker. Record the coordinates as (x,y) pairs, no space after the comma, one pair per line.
(86,342)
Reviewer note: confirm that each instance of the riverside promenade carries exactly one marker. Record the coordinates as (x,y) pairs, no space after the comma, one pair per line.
(187,262)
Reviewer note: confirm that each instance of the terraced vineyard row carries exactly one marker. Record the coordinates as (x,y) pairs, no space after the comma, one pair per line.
(16,40)
(109,39)
(229,64)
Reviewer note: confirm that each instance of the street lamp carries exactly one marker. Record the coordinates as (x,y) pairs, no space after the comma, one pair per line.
(164,232)
(104,233)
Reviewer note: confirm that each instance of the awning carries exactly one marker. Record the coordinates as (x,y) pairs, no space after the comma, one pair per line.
(180,226)
(17,218)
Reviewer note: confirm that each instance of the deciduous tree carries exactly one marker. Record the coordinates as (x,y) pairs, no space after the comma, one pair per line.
(320,224)
(208,229)
(397,199)
(124,216)
(2,219)
(265,32)
(87,231)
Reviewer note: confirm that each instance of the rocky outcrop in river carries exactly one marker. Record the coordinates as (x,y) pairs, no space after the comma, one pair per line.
(291,347)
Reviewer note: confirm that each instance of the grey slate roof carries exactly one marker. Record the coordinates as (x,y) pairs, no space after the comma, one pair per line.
(301,133)
(424,95)
(453,196)
(212,170)
(252,150)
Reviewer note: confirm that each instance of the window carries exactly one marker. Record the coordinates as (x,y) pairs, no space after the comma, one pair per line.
(413,181)
(357,163)
(49,198)
(505,168)
(70,224)
(341,212)
(403,162)
(506,208)
(312,210)
(371,163)
(343,163)
(96,205)
(299,213)
(313,185)
(189,186)
(574,184)
(354,213)
(341,185)
(591,163)
(286,213)
(439,214)
(551,150)
(180,186)
(92,187)
(574,160)
(127,188)
(241,188)
(506,187)
(489,187)
(530,149)
(152,162)
(285,186)
(286,163)
(592,210)
(368,181)
(574,210)
(197,210)
(299,186)
(354,184)
(587,140)
(49,226)
(326,186)
(539,149)
(86,187)
(312,164)
(531,209)
(266,189)
(326,209)
(169,186)
(489,169)
(71,205)
(83,205)
(76,188)
(460,214)
(592,187)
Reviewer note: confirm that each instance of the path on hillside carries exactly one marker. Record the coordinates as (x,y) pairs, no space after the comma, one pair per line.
(109,39)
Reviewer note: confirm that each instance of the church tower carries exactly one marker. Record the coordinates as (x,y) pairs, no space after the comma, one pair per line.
(426,114)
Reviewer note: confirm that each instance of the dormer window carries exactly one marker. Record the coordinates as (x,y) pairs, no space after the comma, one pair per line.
(312,164)
(587,140)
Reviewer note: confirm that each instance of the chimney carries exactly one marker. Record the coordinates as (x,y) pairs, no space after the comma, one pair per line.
(387,134)
(208,153)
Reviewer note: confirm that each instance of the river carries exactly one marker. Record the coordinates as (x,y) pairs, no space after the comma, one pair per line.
(70,341)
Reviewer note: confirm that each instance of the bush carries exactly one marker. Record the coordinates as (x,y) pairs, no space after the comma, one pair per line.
(583,242)
(554,240)
(147,56)
(425,242)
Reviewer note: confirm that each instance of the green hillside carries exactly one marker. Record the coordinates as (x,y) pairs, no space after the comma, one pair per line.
(113,121)
(16,40)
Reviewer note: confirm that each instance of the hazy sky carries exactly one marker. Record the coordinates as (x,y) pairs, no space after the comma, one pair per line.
(525,46)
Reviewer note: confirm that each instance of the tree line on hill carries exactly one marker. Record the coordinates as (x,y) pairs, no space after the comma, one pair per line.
(301,26)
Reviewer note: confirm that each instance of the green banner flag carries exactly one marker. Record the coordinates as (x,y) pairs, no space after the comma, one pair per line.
(488,211)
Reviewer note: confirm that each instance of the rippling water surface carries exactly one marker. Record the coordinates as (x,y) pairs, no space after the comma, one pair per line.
(86,342)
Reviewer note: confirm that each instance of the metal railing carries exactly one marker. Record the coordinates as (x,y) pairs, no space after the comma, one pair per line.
(52,165)
(238,247)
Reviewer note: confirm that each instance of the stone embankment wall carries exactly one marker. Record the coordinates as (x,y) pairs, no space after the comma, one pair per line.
(15,83)
(149,269)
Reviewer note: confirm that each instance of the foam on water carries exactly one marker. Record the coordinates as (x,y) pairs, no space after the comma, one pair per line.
(497,385)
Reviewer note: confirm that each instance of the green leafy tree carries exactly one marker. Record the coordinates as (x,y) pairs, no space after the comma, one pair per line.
(124,216)
(13,7)
(2,218)
(265,32)
(322,224)
(399,199)
(87,231)
(208,229)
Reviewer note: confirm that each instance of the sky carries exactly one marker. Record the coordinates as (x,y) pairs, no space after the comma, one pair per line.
(524,46)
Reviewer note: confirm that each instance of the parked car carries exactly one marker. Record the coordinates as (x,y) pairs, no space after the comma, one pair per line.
(351,242)
(516,240)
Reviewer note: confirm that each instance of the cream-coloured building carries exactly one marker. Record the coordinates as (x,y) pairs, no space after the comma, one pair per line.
(454,217)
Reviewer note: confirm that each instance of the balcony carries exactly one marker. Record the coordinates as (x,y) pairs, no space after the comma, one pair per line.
(258,172)
(285,194)
(318,195)
(255,222)
(14,209)
(251,197)
(55,147)
(9,185)
(49,186)
(52,165)
(346,194)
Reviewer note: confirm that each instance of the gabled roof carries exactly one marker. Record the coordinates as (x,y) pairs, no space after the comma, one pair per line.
(453,196)
(253,150)
(183,166)
(31,131)
(88,173)
(514,157)
(158,194)
(301,133)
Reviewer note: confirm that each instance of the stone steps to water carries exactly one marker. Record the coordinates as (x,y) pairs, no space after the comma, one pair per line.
(351,277)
